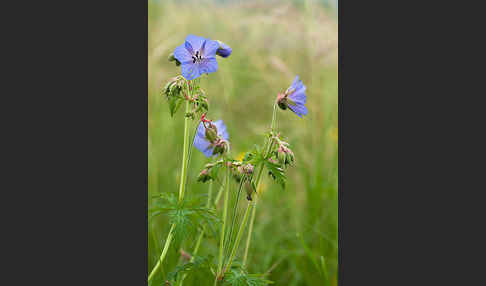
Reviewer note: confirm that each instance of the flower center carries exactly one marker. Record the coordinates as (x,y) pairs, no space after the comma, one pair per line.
(197,58)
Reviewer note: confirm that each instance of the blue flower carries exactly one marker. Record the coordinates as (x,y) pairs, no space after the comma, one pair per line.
(224,50)
(202,143)
(294,98)
(197,56)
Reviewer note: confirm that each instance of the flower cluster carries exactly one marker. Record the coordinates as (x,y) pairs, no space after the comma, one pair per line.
(197,56)
(283,154)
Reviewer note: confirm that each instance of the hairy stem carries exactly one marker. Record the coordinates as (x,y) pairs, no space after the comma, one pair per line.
(164,253)
(223,226)
(201,234)
(257,182)
(238,236)
(218,196)
(182,187)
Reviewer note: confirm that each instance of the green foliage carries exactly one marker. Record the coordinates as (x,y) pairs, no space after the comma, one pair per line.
(173,91)
(187,216)
(200,266)
(272,42)
(276,172)
(237,276)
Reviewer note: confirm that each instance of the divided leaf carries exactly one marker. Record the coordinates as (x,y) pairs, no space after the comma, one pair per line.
(276,172)
(199,265)
(237,276)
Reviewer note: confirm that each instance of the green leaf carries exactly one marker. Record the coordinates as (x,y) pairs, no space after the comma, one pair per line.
(174,104)
(187,216)
(276,172)
(237,276)
(200,264)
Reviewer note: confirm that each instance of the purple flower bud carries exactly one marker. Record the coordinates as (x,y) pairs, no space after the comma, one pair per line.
(223,50)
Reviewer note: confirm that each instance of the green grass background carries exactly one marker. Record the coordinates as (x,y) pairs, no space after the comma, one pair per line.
(272,41)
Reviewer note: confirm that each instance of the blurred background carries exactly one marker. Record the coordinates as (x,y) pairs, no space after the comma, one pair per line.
(295,232)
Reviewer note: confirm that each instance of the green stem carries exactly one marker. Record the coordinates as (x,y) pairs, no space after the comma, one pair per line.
(182,185)
(218,196)
(201,235)
(223,226)
(182,188)
(238,237)
(164,253)
(250,231)
(260,171)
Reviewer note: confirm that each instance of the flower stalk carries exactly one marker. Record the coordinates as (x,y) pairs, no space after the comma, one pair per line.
(223,226)
(182,187)
(201,234)
(257,182)
(164,253)
(238,237)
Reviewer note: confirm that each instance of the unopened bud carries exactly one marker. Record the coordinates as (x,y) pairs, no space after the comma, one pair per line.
(224,50)
(248,169)
(220,147)
(282,101)
(171,58)
(204,176)
(211,133)
(186,256)
(249,189)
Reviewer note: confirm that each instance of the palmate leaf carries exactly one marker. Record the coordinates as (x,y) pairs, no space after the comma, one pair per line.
(200,265)
(276,172)
(164,202)
(237,276)
(254,157)
(187,216)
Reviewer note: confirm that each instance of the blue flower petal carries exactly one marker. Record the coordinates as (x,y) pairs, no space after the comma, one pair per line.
(299,96)
(208,65)
(221,129)
(195,41)
(297,84)
(190,71)
(299,109)
(201,143)
(182,54)
(210,48)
